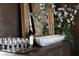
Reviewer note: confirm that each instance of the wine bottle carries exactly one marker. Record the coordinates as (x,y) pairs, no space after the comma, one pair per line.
(30,34)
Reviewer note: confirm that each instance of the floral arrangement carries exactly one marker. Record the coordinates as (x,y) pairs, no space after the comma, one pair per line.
(64,17)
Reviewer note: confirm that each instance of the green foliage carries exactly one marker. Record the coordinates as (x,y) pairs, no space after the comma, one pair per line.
(65,26)
(65,30)
(45,29)
(56,23)
(69,39)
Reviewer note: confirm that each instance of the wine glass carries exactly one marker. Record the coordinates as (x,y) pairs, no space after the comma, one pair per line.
(0,40)
(0,43)
(14,44)
(17,43)
(8,44)
(23,43)
(3,42)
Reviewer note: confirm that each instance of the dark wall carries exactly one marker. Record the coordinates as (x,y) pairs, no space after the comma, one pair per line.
(75,28)
(9,20)
(75,33)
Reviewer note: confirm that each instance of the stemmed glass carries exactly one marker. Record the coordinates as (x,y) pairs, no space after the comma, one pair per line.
(20,43)
(8,44)
(18,39)
(0,40)
(3,43)
(23,43)
(14,47)
(0,43)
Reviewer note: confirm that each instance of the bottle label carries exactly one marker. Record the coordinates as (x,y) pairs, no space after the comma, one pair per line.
(31,39)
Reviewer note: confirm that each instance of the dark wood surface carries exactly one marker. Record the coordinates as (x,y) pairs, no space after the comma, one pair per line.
(58,49)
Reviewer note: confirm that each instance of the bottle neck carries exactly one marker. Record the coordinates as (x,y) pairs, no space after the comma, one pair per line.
(30,28)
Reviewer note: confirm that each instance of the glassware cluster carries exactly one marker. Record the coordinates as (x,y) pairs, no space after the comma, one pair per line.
(13,44)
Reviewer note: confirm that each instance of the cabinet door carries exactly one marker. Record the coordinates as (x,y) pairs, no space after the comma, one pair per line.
(9,20)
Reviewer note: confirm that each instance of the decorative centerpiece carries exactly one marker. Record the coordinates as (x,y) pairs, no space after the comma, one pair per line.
(46,39)
(64,18)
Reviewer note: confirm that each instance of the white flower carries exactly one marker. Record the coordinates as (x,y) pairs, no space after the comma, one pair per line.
(53,6)
(71,19)
(65,13)
(59,14)
(75,12)
(46,13)
(40,4)
(39,17)
(56,13)
(59,25)
(61,19)
(68,20)
(73,23)
(60,9)
(71,15)
(41,8)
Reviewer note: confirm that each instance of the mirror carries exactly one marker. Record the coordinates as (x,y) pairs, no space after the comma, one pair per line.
(41,15)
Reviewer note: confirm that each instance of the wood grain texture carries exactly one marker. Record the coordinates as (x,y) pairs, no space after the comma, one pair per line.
(51,20)
(25,18)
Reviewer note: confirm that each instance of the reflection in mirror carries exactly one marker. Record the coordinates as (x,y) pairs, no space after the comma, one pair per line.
(43,17)
(40,16)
